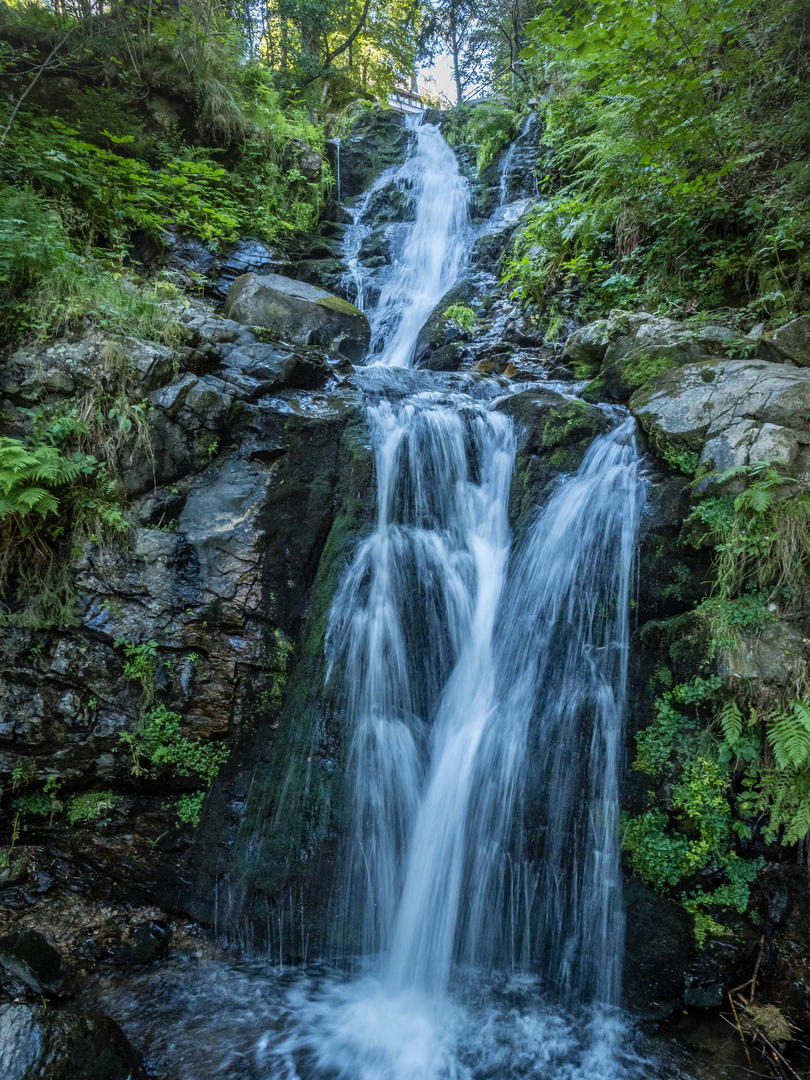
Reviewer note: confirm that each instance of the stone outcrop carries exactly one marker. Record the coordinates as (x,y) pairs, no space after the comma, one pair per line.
(242,456)
(730,413)
(624,352)
(378,140)
(297,312)
(793,339)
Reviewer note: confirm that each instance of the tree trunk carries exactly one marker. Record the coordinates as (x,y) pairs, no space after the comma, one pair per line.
(454,46)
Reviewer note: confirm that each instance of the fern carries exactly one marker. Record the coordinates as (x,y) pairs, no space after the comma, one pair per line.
(28,476)
(789,735)
(730,719)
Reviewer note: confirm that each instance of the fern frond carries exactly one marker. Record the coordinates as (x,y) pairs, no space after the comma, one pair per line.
(730,719)
(789,736)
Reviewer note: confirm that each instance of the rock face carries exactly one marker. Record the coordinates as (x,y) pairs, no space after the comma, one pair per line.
(378,139)
(298,312)
(554,434)
(729,413)
(793,339)
(25,955)
(41,1044)
(623,353)
(242,458)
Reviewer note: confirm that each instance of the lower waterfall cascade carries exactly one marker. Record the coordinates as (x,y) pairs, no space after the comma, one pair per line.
(481,680)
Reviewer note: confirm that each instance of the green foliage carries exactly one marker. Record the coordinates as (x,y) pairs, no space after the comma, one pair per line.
(91,807)
(46,287)
(30,478)
(189,807)
(52,498)
(679,140)
(734,756)
(464,317)
(140,664)
(158,745)
(761,537)
(489,127)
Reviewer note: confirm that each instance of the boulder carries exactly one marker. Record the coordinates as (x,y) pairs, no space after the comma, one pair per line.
(44,1044)
(793,339)
(585,349)
(437,345)
(553,436)
(27,957)
(728,413)
(300,313)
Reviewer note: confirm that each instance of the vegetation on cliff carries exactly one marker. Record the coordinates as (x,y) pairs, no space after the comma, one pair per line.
(676,144)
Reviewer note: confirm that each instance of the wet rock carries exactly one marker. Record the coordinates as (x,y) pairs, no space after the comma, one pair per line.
(146,943)
(259,369)
(44,1044)
(299,313)
(793,339)
(785,971)
(731,413)
(378,140)
(245,256)
(438,340)
(554,433)
(26,956)
(658,947)
(325,273)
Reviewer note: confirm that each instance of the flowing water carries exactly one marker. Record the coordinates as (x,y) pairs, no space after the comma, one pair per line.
(483,691)
(428,254)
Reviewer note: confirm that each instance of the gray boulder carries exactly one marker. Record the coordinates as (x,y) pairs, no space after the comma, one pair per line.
(793,339)
(729,413)
(299,313)
(43,1044)
(585,348)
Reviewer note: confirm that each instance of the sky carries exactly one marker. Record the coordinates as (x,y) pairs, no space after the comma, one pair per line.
(438,78)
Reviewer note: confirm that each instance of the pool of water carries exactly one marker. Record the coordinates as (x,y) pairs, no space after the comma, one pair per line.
(212,1019)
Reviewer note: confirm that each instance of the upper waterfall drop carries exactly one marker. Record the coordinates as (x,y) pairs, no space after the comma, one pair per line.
(428,256)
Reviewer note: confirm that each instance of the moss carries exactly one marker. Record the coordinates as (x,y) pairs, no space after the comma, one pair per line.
(334,303)
(569,423)
(621,378)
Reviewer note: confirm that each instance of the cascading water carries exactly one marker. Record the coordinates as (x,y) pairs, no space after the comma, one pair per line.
(519,159)
(427,256)
(482,691)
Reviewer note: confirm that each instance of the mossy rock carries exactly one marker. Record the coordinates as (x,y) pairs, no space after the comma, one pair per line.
(619,379)
(554,434)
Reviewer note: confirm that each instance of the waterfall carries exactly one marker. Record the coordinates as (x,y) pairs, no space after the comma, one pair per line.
(481,692)
(429,254)
(412,630)
(564,642)
(452,670)
(516,151)
(481,688)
